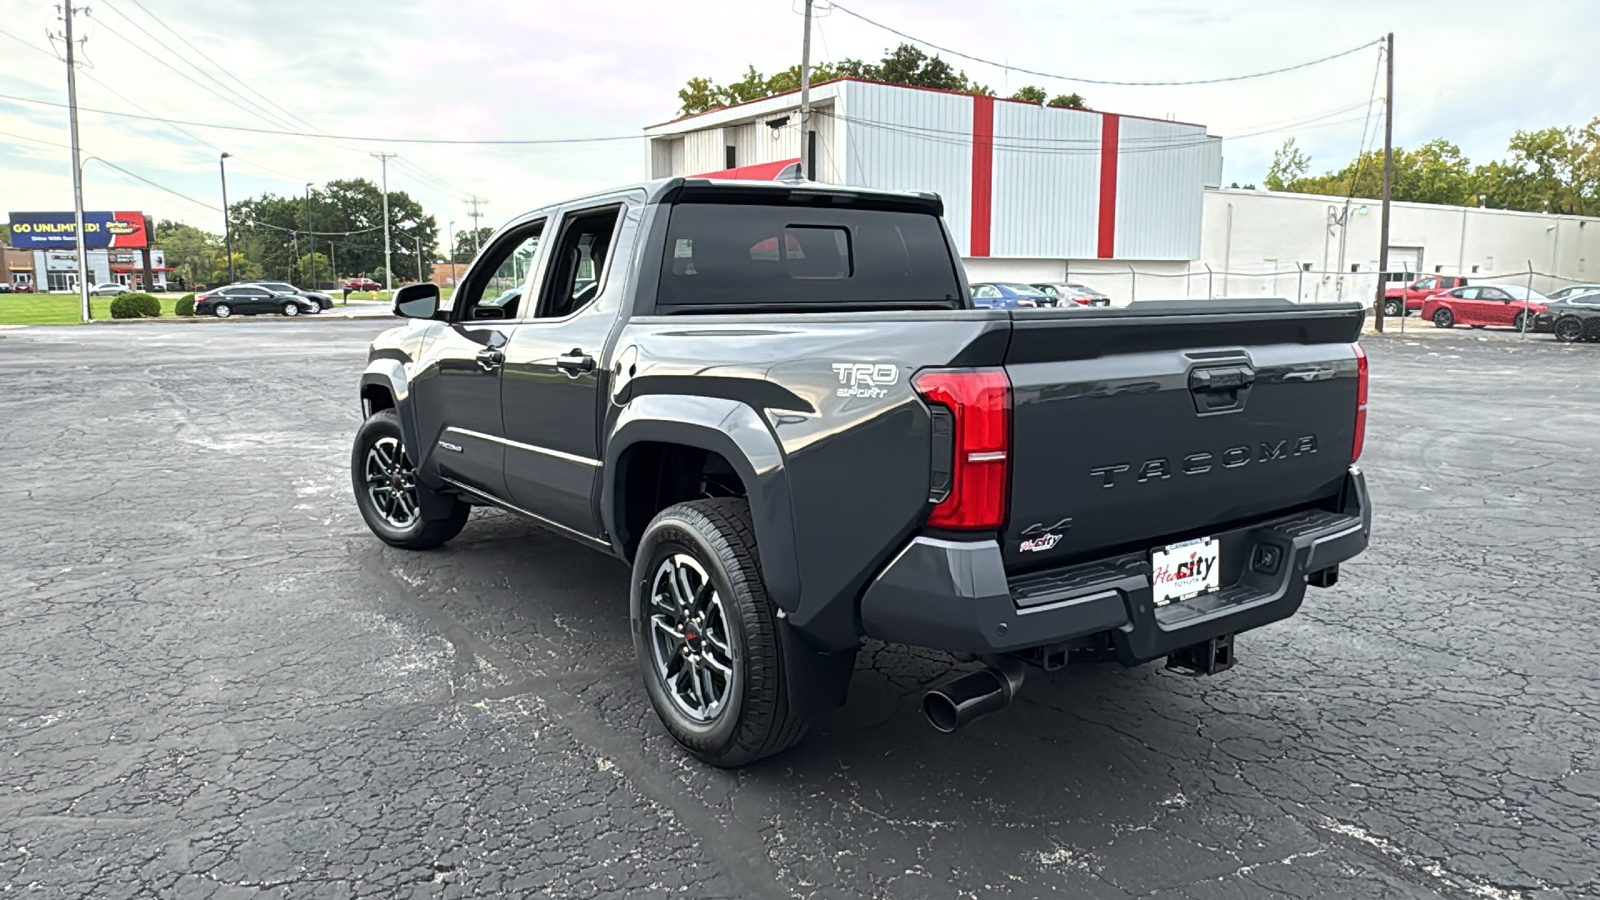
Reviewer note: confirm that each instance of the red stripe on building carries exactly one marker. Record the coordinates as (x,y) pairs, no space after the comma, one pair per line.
(982,172)
(1109,127)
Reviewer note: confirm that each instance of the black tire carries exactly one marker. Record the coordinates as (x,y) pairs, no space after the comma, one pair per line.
(408,532)
(1444,318)
(1392,308)
(1516,321)
(291,309)
(222,310)
(1568,330)
(753,719)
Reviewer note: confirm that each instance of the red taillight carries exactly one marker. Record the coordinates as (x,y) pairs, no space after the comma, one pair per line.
(979,401)
(1361,403)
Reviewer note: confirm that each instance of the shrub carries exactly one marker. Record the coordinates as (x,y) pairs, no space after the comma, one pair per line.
(184,306)
(135,305)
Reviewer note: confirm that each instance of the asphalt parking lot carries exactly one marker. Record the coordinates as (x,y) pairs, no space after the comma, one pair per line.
(215,683)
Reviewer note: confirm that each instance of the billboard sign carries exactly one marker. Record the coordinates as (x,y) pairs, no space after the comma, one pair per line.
(55,230)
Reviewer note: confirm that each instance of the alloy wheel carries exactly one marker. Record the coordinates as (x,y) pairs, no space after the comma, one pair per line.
(690,645)
(391,483)
(223,310)
(1568,330)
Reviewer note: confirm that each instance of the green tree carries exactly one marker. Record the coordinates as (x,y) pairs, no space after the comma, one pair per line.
(1289,166)
(1031,94)
(906,64)
(1073,100)
(304,267)
(467,247)
(347,213)
(190,251)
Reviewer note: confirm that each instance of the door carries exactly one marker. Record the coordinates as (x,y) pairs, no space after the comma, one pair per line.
(457,382)
(1495,307)
(1418,291)
(1465,305)
(553,385)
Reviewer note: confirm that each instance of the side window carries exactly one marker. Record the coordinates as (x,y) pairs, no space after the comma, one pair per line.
(578,265)
(986,292)
(1427,284)
(1468,293)
(495,288)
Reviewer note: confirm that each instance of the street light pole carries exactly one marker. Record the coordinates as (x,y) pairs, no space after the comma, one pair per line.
(227,226)
(311,241)
(388,259)
(1388,179)
(452,255)
(77,167)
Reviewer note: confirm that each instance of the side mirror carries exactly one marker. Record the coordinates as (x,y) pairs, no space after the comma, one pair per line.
(417,301)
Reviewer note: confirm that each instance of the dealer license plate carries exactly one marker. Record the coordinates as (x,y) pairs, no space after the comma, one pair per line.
(1185,570)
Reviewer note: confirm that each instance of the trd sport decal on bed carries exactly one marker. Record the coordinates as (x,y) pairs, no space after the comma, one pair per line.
(869,380)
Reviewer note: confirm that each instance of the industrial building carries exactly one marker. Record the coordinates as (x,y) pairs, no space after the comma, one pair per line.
(1019,180)
(1129,205)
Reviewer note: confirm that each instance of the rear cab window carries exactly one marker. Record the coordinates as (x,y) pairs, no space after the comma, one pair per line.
(782,257)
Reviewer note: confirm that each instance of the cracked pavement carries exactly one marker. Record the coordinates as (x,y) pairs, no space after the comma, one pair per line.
(216,683)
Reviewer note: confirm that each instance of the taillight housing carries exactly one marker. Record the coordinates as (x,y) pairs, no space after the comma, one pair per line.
(979,406)
(1361,403)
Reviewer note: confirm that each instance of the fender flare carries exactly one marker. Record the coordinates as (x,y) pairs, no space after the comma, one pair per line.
(390,375)
(738,434)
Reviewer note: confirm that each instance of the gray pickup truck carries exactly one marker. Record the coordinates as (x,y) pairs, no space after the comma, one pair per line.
(778,404)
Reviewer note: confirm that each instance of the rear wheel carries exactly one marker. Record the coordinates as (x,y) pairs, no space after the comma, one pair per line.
(705,635)
(291,309)
(1444,318)
(222,310)
(385,481)
(1568,330)
(1391,308)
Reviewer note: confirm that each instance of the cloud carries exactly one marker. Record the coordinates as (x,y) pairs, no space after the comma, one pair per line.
(475,69)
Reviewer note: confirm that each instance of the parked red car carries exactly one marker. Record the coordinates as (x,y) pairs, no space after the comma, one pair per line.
(1504,305)
(361,284)
(1417,292)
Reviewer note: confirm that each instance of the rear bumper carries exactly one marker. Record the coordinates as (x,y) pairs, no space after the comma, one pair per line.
(954,595)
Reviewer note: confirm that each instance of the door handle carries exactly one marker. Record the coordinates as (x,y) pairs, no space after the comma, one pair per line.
(575,362)
(490,359)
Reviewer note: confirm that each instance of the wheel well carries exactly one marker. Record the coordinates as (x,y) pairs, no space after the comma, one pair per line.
(655,476)
(376,398)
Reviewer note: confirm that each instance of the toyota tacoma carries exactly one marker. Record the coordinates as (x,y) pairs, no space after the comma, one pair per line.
(779,405)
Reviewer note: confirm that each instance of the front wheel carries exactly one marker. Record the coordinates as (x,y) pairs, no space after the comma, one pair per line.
(384,478)
(222,310)
(1569,331)
(1518,321)
(1444,318)
(705,635)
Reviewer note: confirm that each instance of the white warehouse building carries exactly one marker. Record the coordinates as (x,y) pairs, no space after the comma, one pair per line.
(1020,181)
(1129,205)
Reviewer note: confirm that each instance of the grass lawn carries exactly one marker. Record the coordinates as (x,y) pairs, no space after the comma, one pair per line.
(60,309)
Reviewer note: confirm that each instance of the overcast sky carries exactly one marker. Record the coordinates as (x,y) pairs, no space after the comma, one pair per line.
(1473,71)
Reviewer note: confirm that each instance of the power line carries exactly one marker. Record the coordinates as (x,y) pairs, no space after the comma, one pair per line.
(978,59)
(342,137)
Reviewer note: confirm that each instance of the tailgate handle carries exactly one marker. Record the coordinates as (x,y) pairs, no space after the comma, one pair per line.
(1227,378)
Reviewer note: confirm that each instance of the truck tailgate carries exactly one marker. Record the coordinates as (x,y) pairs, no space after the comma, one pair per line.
(1161,422)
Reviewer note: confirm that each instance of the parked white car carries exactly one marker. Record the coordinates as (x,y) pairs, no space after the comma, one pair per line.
(108,289)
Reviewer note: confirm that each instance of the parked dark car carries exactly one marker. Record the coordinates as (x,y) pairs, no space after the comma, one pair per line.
(1573,318)
(322,301)
(998,295)
(1073,295)
(780,407)
(1572,290)
(249,300)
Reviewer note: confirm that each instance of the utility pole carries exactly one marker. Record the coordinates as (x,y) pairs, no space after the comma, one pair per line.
(806,162)
(311,241)
(227,226)
(1388,176)
(77,164)
(388,258)
(476,231)
(419,258)
(452,255)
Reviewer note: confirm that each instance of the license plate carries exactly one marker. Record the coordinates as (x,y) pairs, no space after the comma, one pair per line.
(1185,570)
